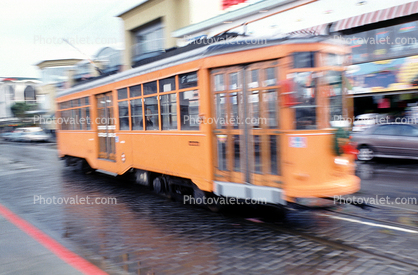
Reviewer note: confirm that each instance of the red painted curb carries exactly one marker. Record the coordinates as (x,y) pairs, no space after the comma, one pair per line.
(59,250)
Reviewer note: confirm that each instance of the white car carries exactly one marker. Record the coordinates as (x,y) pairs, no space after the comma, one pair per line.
(36,136)
(365,121)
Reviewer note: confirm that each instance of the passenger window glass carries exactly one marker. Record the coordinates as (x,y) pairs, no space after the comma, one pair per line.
(220,102)
(237,162)
(136,113)
(254,109)
(151,113)
(236,102)
(222,139)
(150,88)
(188,80)
(303,60)
(253,79)
(333,80)
(219,82)
(304,96)
(123,115)
(168,84)
(257,154)
(233,81)
(135,91)
(387,130)
(123,93)
(270,77)
(168,106)
(88,120)
(189,110)
(270,101)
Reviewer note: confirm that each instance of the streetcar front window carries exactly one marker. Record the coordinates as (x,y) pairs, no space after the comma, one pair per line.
(333,79)
(305,100)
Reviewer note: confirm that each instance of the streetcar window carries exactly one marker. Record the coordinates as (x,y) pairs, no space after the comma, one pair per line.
(122,93)
(189,110)
(220,105)
(270,77)
(254,109)
(150,88)
(168,107)
(72,121)
(135,91)
(86,100)
(257,154)
(80,122)
(188,80)
(136,113)
(168,84)
(88,120)
(237,162)
(151,113)
(333,80)
(270,101)
(222,139)
(305,100)
(236,101)
(234,81)
(273,155)
(303,60)
(123,115)
(253,79)
(219,82)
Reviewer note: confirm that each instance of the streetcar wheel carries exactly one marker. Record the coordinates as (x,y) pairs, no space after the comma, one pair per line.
(365,153)
(142,177)
(157,185)
(208,200)
(86,168)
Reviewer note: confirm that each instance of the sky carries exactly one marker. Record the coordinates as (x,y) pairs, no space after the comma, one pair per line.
(32,30)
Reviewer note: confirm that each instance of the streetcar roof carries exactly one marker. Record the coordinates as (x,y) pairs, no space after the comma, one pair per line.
(166,60)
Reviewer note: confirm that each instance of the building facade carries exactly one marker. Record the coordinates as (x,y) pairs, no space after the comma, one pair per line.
(17,89)
(148,27)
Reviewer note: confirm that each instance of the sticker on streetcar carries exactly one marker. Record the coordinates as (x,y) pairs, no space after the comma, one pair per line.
(297,142)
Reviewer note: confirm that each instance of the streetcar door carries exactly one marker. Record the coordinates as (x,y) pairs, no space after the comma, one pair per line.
(246,122)
(106,126)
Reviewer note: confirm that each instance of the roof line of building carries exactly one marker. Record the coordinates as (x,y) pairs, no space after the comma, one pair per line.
(232,15)
(128,10)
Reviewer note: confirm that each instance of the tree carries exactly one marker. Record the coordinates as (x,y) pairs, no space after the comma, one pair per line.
(19,109)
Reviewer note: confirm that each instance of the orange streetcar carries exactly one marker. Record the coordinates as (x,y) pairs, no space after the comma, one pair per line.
(237,120)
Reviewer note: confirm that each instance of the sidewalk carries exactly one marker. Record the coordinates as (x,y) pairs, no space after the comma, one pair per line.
(24,249)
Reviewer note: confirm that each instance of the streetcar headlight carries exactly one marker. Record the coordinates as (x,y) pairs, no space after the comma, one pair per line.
(341,161)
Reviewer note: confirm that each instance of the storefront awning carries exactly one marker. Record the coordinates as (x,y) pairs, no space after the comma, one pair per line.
(376,16)
(316,30)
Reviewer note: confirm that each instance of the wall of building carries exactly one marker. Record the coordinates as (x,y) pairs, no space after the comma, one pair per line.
(173,14)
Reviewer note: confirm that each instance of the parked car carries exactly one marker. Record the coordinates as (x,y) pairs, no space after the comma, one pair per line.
(365,121)
(16,136)
(6,135)
(36,136)
(387,140)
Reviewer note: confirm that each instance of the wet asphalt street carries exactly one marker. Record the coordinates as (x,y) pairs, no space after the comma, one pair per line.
(147,234)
